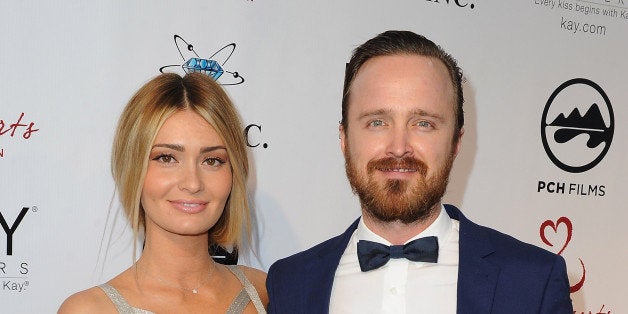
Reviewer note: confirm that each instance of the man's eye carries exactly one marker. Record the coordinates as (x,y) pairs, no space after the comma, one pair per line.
(376,123)
(424,124)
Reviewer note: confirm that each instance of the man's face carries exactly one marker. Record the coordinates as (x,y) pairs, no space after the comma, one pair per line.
(399,145)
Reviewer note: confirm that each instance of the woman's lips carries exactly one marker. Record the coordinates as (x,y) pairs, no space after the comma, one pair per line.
(189,206)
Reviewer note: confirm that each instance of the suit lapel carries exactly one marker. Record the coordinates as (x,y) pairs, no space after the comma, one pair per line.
(323,269)
(477,276)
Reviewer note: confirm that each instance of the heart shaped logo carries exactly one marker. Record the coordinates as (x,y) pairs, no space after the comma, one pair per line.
(554,226)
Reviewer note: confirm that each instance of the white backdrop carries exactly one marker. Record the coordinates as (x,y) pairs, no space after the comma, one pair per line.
(71,66)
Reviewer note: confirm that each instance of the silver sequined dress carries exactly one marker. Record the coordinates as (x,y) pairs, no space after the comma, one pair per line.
(246,295)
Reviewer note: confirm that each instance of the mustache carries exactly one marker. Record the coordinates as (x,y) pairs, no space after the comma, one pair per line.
(390,163)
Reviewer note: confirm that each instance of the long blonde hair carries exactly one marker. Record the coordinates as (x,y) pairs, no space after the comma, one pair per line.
(139,123)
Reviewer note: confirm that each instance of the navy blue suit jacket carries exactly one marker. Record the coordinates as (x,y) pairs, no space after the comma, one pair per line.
(497,274)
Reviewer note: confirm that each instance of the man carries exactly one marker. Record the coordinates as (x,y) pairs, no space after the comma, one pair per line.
(402,123)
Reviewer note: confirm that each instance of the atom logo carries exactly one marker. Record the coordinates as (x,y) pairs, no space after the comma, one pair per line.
(208,66)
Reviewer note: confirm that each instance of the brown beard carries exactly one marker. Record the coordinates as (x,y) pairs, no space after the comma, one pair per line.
(395,200)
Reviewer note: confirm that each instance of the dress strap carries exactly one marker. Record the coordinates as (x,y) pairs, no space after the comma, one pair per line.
(119,301)
(249,290)
(239,303)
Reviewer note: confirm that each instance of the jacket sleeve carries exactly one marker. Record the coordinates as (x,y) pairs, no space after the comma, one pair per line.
(556,299)
(272,302)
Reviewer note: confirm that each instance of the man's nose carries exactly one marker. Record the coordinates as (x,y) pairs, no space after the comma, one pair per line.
(399,143)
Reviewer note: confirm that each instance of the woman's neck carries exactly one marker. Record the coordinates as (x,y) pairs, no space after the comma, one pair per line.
(175,258)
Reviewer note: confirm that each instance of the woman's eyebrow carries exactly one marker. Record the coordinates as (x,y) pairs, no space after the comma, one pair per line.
(176,147)
(212,148)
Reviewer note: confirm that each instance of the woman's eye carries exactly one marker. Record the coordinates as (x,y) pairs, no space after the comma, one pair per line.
(164,158)
(214,162)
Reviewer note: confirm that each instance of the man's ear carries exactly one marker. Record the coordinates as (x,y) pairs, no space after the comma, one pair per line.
(458,142)
(342,136)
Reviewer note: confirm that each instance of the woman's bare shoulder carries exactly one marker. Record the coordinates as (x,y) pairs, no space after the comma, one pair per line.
(92,300)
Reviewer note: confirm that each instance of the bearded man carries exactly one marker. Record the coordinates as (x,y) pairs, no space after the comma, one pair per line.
(402,124)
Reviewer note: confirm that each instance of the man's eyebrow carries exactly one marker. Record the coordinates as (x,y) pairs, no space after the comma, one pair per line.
(377,112)
(423,113)
(416,112)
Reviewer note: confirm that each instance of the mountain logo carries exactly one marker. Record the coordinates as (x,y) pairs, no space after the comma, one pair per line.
(573,141)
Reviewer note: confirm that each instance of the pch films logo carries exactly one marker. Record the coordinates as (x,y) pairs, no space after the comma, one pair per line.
(214,66)
(577,129)
(13,269)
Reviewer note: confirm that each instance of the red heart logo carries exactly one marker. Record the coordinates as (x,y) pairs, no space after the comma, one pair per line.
(549,223)
(580,283)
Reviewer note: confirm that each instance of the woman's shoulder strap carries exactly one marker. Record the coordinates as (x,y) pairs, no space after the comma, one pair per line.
(248,287)
(120,302)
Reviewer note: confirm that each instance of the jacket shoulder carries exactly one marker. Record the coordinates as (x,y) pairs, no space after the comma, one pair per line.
(509,249)
(304,280)
(500,246)
(518,264)
(299,262)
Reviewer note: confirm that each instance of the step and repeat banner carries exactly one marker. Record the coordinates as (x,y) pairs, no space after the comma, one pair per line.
(544,157)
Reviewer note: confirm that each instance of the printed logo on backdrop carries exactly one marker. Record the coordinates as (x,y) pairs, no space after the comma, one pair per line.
(214,67)
(568,227)
(575,15)
(13,269)
(577,125)
(210,66)
(17,129)
(577,128)
(455,3)
(557,235)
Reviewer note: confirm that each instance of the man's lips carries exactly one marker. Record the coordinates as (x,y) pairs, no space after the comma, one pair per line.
(397,168)
(403,170)
(397,173)
(189,206)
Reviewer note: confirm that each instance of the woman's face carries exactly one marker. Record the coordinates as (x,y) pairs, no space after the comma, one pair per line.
(188,178)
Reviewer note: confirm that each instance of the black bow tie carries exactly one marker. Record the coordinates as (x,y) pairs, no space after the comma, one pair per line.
(373,255)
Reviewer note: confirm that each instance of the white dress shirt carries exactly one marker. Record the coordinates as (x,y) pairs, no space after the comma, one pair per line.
(400,286)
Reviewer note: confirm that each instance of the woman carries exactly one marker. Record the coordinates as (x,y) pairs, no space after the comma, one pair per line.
(180,166)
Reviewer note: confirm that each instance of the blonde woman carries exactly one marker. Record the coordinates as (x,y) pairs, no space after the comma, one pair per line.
(180,166)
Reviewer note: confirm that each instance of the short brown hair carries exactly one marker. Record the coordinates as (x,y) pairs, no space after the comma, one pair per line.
(402,42)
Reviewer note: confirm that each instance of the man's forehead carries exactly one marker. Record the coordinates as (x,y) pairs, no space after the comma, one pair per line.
(401,60)
(398,78)
(401,67)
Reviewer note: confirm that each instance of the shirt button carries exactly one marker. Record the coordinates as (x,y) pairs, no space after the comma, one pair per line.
(393,290)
